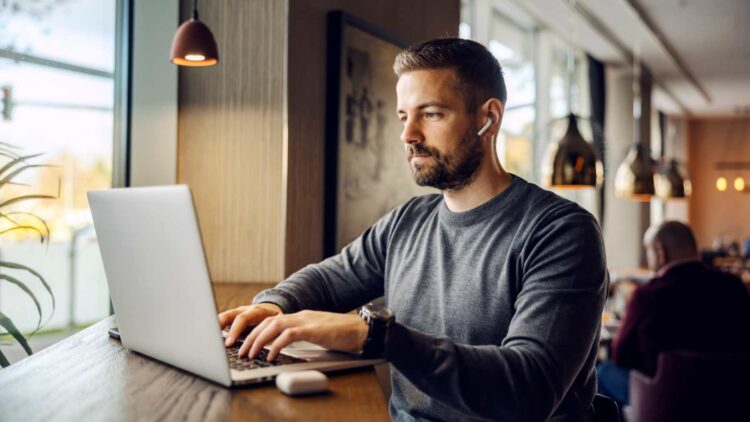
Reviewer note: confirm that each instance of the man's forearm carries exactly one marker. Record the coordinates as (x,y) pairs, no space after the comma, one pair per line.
(486,381)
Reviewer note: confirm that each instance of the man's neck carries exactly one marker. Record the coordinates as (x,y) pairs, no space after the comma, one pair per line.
(489,182)
(676,262)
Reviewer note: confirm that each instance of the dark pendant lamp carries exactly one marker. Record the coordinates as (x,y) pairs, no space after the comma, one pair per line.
(635,176)
(193,43)
(669,183)
(571,161)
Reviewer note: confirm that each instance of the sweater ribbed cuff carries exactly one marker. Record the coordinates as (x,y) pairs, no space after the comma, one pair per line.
(284,300)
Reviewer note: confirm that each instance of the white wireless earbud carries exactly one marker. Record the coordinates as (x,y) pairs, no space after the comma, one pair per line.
(485,127)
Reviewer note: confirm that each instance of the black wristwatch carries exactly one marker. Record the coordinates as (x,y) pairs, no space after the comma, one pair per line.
(378,319)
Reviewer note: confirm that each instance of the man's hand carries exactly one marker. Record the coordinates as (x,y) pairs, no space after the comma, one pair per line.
(245,316)
(341,332)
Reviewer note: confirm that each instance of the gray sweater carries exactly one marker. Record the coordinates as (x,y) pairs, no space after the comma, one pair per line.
(497,308)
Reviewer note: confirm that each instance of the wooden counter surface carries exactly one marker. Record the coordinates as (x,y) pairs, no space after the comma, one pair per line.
(90,376)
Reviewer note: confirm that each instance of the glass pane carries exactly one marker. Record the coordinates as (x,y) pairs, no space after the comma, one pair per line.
(515,143)
(58,100)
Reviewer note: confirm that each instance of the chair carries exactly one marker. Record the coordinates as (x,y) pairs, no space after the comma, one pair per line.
(605,409)
(692,386)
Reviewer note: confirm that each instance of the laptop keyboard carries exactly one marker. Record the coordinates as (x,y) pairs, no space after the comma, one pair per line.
(243,364)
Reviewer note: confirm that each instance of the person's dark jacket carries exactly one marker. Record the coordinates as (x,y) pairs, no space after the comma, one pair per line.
(688,307)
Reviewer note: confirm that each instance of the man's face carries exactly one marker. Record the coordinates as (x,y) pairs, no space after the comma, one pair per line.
(442,147)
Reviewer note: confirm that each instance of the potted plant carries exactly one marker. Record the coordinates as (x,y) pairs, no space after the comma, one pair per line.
(11,221)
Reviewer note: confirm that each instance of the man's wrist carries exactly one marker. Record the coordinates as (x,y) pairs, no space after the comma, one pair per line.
(271,305)
(378,319)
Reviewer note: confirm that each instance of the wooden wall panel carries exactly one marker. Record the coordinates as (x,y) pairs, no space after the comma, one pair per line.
(230,138)
(250,141)
(412,21)
(713,213)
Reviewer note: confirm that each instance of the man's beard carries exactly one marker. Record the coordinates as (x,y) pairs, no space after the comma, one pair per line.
(448,171)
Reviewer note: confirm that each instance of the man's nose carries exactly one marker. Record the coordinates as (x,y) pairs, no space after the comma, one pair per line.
(411,133)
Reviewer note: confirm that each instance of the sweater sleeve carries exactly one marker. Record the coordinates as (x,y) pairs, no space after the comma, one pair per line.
(553,332)
(341,282)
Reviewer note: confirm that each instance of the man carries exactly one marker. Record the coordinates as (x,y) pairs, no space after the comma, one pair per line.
(497,285)
(686,306)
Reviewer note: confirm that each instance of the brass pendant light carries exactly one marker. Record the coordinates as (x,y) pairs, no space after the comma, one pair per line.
(572,162)
(669,183)
(634,178)
(194,44)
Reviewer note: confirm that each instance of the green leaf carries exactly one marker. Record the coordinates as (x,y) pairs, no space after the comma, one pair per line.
(16,161)
(6,144)
(45,235)
(25,198)
(8,153)
(3,360)
(23,228)
(9,178)
(6,323)
(5,154)
(15,266)
(28,292)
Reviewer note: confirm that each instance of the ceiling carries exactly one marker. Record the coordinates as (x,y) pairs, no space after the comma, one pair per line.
(710,37)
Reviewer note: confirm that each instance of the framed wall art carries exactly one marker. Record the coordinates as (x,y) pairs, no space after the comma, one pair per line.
(367,173)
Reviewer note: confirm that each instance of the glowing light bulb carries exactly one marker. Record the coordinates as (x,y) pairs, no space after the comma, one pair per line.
(739,184)
(721,184)
(195,57)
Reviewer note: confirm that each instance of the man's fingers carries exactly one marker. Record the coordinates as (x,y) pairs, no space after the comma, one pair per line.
(270,332)
(228,316)
(241,322)
(287,337)
(250,339)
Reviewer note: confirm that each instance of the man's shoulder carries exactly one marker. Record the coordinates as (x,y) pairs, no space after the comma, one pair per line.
(691,276)
(539,204)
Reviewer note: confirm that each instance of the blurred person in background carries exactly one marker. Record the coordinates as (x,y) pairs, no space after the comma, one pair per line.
(686,306)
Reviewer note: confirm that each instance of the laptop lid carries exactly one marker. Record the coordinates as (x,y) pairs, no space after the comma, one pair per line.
(158,277)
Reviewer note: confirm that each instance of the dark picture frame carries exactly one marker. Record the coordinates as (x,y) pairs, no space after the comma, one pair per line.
(366,172)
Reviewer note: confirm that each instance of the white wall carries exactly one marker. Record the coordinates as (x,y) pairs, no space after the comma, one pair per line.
(622,237)
(153,148)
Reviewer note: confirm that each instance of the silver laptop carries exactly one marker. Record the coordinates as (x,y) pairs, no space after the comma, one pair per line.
(161,291)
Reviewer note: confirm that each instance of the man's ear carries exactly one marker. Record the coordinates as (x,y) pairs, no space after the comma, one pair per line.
(492,109)
(661,254)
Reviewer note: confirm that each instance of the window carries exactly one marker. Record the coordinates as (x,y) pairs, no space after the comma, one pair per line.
(513,46)
(534,62)
(58,78)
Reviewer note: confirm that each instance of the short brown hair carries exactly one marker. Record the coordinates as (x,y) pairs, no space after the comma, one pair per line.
(477,70)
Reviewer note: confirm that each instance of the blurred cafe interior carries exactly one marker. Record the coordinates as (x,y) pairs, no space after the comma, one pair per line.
(651,98)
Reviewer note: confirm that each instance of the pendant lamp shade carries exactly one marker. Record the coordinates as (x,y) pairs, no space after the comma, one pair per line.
(635,176)
(572,162)
(669,183)
(194,44)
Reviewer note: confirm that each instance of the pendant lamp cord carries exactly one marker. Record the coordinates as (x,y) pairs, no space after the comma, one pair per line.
(636,94)
(571,70)
(571,59)
(195,9)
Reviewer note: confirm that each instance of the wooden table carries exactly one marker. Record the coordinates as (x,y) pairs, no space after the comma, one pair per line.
(90,376)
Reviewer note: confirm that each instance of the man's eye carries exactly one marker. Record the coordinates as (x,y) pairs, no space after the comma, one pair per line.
(431,115)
